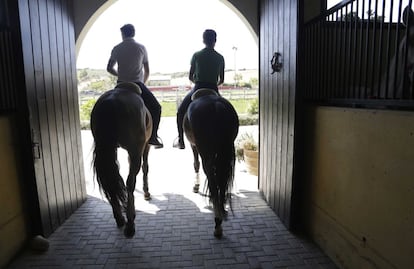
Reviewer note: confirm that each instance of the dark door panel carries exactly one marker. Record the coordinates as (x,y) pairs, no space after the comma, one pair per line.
(278,41)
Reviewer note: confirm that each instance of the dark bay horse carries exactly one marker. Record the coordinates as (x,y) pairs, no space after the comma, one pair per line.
(211,125)
(120,119)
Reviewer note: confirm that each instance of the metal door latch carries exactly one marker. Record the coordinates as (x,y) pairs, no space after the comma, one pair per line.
(36,150)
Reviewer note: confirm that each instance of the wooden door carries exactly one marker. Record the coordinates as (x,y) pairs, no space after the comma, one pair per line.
(278,33)
(48,48)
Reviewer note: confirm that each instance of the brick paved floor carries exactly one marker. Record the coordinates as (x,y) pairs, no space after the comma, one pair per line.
(177,234)
(175,228)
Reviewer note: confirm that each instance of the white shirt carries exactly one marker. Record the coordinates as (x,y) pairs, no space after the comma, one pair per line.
(130,57)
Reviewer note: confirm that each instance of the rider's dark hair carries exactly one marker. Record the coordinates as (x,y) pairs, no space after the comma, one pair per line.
(128,30)
(209,37)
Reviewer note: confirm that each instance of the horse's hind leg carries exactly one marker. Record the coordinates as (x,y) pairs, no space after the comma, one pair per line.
(196,169)
(134,166)
(217,198)
(218,230)
(117,211)
(214,199)
(219,207)
(219,211)
(218,216)
(145,168)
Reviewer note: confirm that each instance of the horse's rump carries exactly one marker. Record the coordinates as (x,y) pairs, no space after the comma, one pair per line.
(214,122)
(117,116)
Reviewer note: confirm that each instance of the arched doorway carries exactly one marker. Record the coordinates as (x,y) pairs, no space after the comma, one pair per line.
(162,37)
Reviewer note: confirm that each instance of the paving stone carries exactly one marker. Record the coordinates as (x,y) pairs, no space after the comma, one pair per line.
(175,230)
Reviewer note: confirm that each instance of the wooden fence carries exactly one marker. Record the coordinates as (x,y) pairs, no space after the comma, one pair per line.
(233,94)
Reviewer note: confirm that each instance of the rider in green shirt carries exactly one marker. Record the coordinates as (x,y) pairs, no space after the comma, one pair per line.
(206,71)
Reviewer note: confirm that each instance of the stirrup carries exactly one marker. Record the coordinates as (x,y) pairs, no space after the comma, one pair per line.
(178,144)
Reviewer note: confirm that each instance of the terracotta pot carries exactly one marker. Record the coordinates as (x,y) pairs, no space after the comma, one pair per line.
(251,158)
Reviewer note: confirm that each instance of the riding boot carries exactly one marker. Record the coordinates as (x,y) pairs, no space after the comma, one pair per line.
(179,143)
(154,108)
(155,124)
(180,119)
(156,117)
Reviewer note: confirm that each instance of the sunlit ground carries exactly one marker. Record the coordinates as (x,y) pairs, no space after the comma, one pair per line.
(170,171)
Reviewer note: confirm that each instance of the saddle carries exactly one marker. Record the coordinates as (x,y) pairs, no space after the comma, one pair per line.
(131,86)
(203,92)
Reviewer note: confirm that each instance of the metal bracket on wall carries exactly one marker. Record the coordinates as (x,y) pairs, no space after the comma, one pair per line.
(276,62)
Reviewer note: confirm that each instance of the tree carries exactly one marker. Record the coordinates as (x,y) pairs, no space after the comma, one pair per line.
(237,78)
(98,86)
(254,82)
(83,74)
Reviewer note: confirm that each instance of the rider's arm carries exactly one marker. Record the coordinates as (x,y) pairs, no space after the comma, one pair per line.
(221,76)
(191,74)
(110,67)
(146,72)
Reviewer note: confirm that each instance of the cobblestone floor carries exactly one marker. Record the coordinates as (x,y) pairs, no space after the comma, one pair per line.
(177,234)
(175,228)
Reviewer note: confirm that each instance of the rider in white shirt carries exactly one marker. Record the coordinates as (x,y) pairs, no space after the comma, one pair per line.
(132,60)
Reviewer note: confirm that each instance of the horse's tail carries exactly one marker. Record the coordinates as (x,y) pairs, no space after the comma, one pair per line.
(225,161)
(106,172)
(104,162)
(219,168)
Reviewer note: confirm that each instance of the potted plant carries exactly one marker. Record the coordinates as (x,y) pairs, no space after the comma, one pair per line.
(247,151)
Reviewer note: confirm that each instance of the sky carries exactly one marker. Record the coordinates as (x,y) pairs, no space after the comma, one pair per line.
(171,31)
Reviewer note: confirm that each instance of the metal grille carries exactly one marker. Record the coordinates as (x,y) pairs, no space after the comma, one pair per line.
(361,52)
(7,77)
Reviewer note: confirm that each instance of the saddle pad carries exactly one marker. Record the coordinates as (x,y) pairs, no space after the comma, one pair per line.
(203,92)
(129,86)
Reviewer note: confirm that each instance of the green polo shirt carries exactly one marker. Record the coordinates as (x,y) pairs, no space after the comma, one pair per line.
(207,65)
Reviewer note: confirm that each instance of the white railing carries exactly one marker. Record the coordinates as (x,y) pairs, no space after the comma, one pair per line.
(178,95)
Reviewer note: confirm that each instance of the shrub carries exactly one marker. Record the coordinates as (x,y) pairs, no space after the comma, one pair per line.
(85,125)
(248,120)
(86,109)
(253,108)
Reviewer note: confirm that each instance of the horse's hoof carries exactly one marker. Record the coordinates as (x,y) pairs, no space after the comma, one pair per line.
(147,196)
(129,231)
(120,222)
(196,188)
(218,233)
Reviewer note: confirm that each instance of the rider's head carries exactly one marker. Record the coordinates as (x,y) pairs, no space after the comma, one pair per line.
(128,30)
(209,37)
